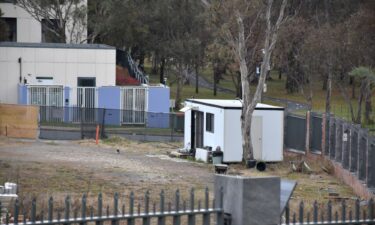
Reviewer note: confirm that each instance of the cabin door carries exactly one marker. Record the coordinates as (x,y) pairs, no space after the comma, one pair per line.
(256,136)
(197,129)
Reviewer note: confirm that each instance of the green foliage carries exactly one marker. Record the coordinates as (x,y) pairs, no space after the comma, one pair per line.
(363,72)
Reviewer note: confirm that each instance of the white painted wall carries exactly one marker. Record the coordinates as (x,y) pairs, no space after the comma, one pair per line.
(232,136)
(272,134)
(227,133)
(63,64)
(30,30)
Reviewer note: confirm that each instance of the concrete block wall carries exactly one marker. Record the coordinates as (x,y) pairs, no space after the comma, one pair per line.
(250,201)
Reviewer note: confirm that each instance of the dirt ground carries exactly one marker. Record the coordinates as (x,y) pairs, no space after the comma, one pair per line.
(60,168)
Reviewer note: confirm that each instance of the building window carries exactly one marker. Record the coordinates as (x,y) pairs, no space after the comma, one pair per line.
(210,122)
(11,29)
(49,30)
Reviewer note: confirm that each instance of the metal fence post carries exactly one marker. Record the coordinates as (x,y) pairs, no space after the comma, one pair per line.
(324,134)
(353,162)
(332,137)
(191,217)
(115,209)
(176,218)
(346,146)
(371,164)
(146,220)
(50,209)
(362,150)
(338,141)
(308,131)
(161,219)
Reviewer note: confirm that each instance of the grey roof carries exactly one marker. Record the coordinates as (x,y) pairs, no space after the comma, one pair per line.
(55,45)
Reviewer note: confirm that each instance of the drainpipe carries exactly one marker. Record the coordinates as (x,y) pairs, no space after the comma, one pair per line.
(20,62)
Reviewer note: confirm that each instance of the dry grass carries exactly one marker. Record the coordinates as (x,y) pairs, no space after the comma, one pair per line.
(42,179)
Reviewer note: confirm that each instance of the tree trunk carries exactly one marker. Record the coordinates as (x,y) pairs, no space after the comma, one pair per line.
(179,87)
(352,79)
(154,69)
(329,91)
(161,74)
(360,100)
(368,106)
(280,73)
(196,78)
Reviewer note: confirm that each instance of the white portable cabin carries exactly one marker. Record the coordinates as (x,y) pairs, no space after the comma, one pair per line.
(217,123)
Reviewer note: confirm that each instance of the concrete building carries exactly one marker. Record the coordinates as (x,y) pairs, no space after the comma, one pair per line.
(63,78)
(24,28)
(68,65)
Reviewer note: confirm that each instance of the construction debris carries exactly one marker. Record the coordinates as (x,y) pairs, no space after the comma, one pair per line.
(301,167)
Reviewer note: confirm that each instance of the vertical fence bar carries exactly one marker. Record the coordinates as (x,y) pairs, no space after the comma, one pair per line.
(100,208)
(371,209)
(50,209)
(220,215)
(146,220)
(83,208)
(301,212)
(315,212)
(356,212)
(16,211)
(176,218)
(115,209)
(33,210)
(206,216)
(67,208)
(343,210)
(287,214)
(329,211)
(24,215)
(161,219)
(191,217)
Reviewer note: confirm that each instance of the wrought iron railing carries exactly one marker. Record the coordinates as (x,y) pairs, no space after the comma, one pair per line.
(180,212)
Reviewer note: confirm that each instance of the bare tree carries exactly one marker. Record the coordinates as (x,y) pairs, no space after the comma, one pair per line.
(246,40)
(60,17)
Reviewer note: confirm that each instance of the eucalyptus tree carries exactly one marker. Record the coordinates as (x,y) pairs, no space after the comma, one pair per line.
(251,29)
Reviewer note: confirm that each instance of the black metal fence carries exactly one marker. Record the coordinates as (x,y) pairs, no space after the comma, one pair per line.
(345,143)
(295,132)
(180,212)
(354,148)
(77,123)
(361,213)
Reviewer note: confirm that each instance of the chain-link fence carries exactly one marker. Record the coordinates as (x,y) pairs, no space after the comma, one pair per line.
(76,123)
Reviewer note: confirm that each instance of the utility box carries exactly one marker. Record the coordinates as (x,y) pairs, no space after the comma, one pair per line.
(217,123)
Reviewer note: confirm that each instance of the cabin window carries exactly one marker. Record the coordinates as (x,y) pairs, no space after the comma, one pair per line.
(210,122)
(11,29)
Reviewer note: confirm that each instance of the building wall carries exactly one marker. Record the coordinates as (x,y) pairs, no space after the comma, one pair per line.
(63,64)
(232,136)
(30,30)
(158,107)
(272,134)
(212,139)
